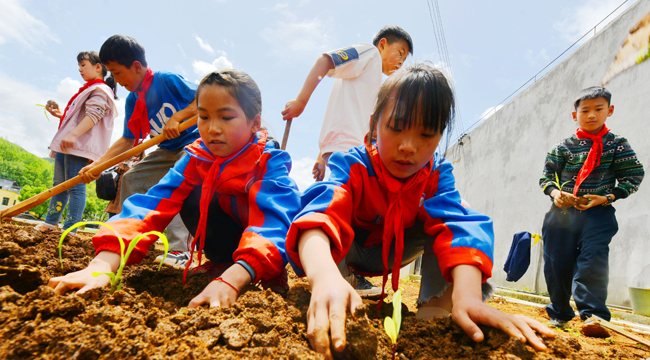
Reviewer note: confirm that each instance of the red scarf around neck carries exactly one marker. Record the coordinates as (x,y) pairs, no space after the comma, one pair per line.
(593,159)
(139,121)
(394,219)
(250,154)
(81,89)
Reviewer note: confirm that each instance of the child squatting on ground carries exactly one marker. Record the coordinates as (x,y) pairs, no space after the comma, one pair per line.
(357,70)
(580,225)
(158,102)
(232,190)
(84,134)
(389,201)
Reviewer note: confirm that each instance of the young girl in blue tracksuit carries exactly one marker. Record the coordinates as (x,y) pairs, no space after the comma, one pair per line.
(233,192)
(389,201)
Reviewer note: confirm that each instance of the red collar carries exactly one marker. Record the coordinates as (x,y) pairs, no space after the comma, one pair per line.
(81,89)
(139,121)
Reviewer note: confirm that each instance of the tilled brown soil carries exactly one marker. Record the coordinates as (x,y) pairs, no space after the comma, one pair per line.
(149,319)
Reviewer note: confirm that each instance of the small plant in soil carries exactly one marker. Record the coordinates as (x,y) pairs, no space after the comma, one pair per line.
(116,278)
(392,325)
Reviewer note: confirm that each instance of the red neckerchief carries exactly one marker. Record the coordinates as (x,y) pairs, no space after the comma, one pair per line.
(139,121)
(593,159)
(81,89)
(394,218)
(210,183)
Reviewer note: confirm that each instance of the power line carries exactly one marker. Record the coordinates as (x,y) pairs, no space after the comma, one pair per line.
(443,53)
(545,67)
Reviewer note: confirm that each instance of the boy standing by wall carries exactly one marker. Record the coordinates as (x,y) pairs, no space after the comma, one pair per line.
(599,168)
(357,70)
(158,102)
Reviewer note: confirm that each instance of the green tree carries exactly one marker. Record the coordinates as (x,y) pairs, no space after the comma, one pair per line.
(94,206)
(28,191)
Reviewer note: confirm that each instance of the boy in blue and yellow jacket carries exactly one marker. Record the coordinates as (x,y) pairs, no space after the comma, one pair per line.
(233,191)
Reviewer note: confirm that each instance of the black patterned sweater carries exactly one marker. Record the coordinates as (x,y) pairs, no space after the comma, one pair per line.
(617,164)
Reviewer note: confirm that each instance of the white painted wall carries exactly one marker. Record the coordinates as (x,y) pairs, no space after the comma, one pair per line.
(498,168)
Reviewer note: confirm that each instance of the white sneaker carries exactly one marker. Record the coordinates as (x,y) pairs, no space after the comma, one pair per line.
(175,259)
(45,227)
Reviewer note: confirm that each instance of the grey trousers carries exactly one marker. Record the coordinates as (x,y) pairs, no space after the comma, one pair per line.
(147,173)
(416,242)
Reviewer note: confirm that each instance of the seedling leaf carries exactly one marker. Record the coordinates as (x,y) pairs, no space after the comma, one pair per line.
(65,233)
(44,112)
(389,325)
(397,310)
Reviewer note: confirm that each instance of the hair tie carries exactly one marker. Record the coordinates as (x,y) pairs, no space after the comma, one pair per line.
(227,283)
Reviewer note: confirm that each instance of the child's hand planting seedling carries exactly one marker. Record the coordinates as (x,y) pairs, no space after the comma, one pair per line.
(116,278)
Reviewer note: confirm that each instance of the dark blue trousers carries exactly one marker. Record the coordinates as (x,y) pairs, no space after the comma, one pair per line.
(576,260)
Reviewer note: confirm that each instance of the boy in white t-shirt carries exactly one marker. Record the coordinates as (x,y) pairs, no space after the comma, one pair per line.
(357,70)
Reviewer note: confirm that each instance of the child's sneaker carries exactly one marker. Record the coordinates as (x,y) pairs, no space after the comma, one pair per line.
(279,284)
(175,259)
(365,288)
(557,323)
(362,286)
(45,227)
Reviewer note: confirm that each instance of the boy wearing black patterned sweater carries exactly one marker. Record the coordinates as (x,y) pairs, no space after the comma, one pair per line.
(598,168)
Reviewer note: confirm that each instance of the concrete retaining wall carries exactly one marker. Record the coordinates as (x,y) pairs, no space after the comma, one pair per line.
(498,168)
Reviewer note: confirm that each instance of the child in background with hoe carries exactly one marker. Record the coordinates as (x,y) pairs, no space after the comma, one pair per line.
(389,201)
(158,102)
(84,134)
(599,168)
(357,70)
(232,190)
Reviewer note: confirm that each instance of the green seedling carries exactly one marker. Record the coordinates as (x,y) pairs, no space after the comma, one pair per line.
(557,184)
(116,278)
(44,111)
(392,325)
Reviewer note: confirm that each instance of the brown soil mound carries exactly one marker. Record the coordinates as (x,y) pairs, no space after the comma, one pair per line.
(149,319)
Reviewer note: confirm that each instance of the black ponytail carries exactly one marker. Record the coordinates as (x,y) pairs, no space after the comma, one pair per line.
(110,81)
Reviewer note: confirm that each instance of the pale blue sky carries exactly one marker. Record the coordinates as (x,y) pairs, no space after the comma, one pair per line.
(493,46)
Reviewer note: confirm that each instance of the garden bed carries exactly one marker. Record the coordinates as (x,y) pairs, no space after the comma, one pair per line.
(149,319)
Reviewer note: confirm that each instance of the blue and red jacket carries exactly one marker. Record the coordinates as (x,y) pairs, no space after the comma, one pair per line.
(253,187)
(361,193)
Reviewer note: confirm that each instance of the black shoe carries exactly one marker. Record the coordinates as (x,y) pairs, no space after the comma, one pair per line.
(364,287)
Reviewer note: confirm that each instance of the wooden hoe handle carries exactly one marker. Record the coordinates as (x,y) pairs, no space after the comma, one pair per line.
(38,199)
(285,137)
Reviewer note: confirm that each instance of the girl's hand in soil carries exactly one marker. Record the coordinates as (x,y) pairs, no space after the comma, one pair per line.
(469,310)
(331,298)
(104,262)
(220,294)
(331,295)
(563,199)
(594,200)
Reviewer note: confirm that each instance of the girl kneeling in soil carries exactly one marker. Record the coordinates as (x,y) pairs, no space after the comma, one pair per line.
(233,193)
(397,187)
(84,135)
